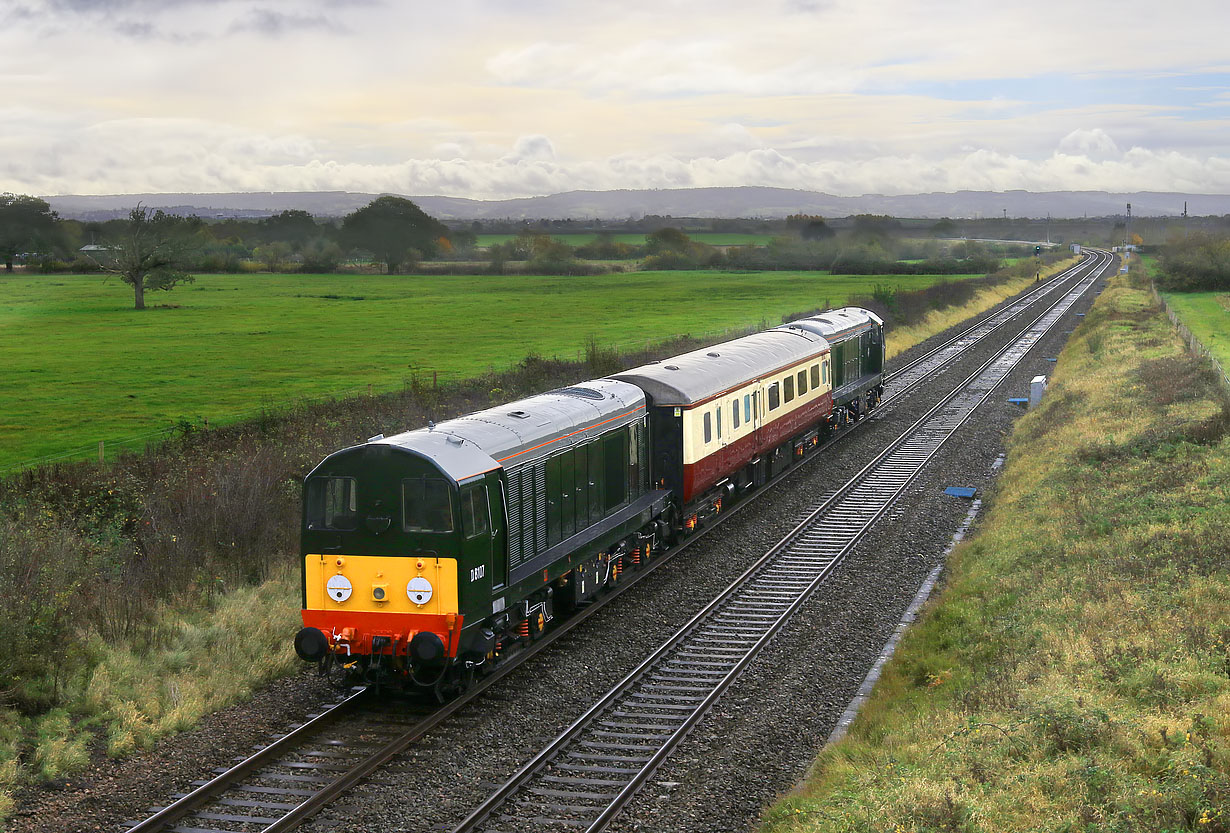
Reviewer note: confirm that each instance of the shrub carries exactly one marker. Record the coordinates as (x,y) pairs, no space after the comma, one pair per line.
(1199,263)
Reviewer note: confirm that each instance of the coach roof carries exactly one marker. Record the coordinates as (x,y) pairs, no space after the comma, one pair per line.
(836,325)
(701,374)
(525,430)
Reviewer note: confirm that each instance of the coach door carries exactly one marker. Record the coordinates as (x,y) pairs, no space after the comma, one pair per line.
(498,502)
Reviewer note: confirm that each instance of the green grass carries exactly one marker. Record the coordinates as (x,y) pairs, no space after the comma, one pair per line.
(713,238)
(1207,315)
(82,366)
(1074,673)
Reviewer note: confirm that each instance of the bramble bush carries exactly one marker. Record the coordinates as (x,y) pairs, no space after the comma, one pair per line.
(1199,263)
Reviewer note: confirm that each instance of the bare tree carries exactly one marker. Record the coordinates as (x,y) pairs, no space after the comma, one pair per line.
(151,252)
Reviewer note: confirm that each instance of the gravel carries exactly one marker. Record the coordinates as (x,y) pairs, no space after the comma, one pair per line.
(757,742)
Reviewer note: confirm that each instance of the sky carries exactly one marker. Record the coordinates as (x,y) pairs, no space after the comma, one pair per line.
(491,100)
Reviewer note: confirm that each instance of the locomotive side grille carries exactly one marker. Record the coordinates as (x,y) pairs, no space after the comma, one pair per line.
(540,507)
(527,516)
(514,518)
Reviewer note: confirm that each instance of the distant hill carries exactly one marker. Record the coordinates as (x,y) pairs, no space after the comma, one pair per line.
(681,202)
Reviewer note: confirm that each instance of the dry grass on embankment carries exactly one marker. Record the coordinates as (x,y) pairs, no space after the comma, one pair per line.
(904,337)
(1074,674)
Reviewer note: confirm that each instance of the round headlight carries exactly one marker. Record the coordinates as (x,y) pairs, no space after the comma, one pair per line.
(339,588)
(378,593)
(419,590)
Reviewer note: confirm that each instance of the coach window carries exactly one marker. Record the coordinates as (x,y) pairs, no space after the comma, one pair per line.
(718,418)
(802,382)
(426,505)
(825,371)
(332,503)
(475,514)
(774,396)
(734,411)
(708,427)
(815,376)
(788,387)
(747,407)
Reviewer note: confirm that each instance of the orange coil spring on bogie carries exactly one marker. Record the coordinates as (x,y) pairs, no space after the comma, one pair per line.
(525,629)
(636,555)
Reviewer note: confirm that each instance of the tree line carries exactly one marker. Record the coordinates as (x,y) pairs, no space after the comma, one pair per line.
(152,250)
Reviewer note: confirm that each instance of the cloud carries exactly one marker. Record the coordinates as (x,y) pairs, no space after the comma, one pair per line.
(1093,143)
(161,155)
(532,149)
(180,21)
(277,24)
(486,99)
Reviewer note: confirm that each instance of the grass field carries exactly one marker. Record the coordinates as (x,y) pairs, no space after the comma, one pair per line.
(1074,673)
(83,366)
(1207,314)
(715,238)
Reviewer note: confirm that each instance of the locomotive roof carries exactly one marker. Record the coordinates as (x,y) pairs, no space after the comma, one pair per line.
(526,430)
(696,376)
(836,325)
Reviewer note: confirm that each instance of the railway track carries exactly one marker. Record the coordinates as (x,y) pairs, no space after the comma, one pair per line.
(588,774)
(286,782)
(909,376)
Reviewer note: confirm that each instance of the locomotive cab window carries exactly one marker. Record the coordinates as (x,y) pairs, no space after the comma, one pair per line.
(475,514)
(427,505)
(774,396)
(333,504)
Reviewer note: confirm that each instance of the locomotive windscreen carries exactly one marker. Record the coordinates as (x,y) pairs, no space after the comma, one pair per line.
(426,505)
(332,503)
